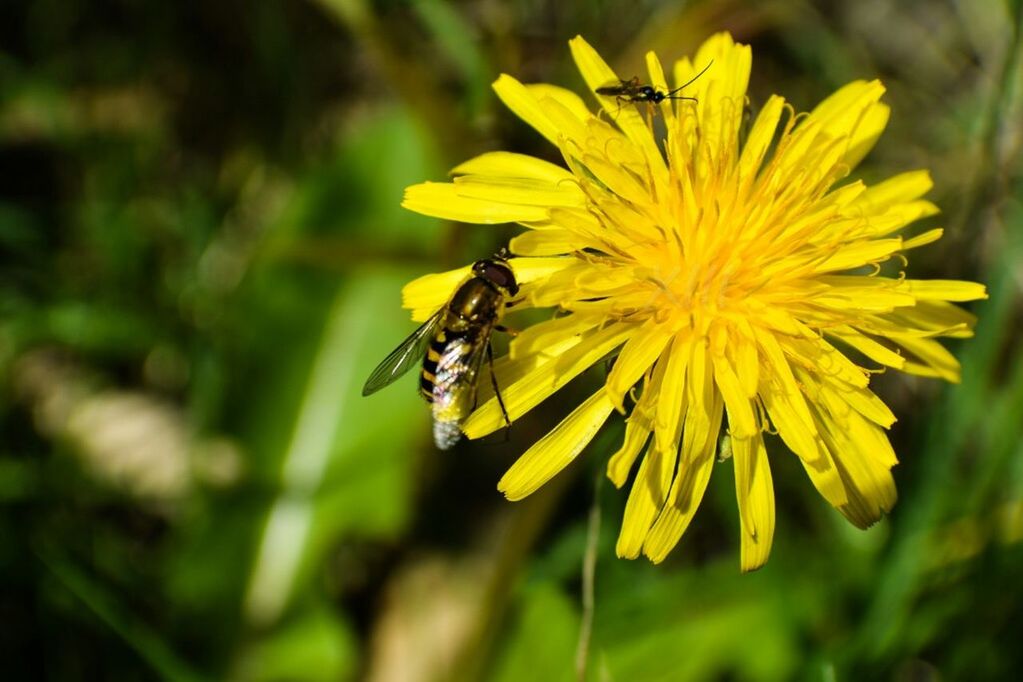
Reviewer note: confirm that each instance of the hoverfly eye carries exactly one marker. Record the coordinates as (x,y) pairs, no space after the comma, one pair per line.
(501,275)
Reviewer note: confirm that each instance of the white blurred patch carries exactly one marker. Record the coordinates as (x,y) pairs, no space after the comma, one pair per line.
(129,439)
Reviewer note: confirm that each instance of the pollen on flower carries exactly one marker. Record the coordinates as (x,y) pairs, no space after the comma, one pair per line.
(739,285)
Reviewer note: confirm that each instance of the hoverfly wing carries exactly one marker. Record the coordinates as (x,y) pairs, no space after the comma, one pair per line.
(407,355)
(457,372)
(454,388)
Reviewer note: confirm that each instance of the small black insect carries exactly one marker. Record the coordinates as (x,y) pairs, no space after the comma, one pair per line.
(633,91)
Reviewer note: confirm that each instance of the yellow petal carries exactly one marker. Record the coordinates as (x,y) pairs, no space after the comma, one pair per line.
(509,165)
(649,491)
(897,189)
(800,438)
(597,73)
(657,80)
(872,349)
(741,420)
(557,449)
(893,218)
(870,294)
(826,478)
(863,139)
(779,370)
(637,356)
(853,112)
(742,351)
(520,191)
(581,223)
(720,93)
(428,293)
(636,435)
(548,377)
(583,281)
(509,370)
(443,200)
(696,462)
(701,397)
(635,229)
(945,289)
(785,402)
(936,318)
(856,254)
(755,494)
(546,243)
(934,357)
(816,352)
(626,185)
(673,520)
(671,400)
(572,102)
(868,481)
(761,136)
(728,76)
(523,104)
(824,389)
(572,130)
(529,270)
(539,337)
(923,238)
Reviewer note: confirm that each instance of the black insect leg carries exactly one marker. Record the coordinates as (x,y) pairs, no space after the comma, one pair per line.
(493,382)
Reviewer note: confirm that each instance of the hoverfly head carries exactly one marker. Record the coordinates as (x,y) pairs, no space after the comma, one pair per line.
(497,271)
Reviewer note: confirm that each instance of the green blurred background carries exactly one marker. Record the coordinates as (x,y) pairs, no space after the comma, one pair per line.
(202,253)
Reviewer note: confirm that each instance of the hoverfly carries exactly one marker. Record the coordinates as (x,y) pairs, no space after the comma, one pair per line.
(633,91)
(451,345)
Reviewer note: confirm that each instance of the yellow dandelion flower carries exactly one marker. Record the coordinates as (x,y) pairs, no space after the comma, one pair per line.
(732,280)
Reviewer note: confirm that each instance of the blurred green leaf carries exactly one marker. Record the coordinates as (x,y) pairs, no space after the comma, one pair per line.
(701,625)
(315,646)
(348,208)
(542,638)
(458,40)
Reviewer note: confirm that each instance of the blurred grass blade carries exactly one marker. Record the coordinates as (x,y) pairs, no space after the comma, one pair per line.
(147,643)
(330,430)
(457,40)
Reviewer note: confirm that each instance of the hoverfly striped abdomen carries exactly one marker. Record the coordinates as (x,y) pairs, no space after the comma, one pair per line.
(428,375)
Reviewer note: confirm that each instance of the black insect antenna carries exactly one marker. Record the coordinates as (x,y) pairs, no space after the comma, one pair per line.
(690,82)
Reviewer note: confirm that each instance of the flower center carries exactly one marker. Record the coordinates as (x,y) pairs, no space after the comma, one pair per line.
(705,284)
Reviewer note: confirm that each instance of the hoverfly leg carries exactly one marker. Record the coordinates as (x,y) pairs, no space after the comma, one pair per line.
(507,330)
(493,382)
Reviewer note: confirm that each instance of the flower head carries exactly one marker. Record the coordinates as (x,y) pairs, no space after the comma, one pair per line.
(739,284)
